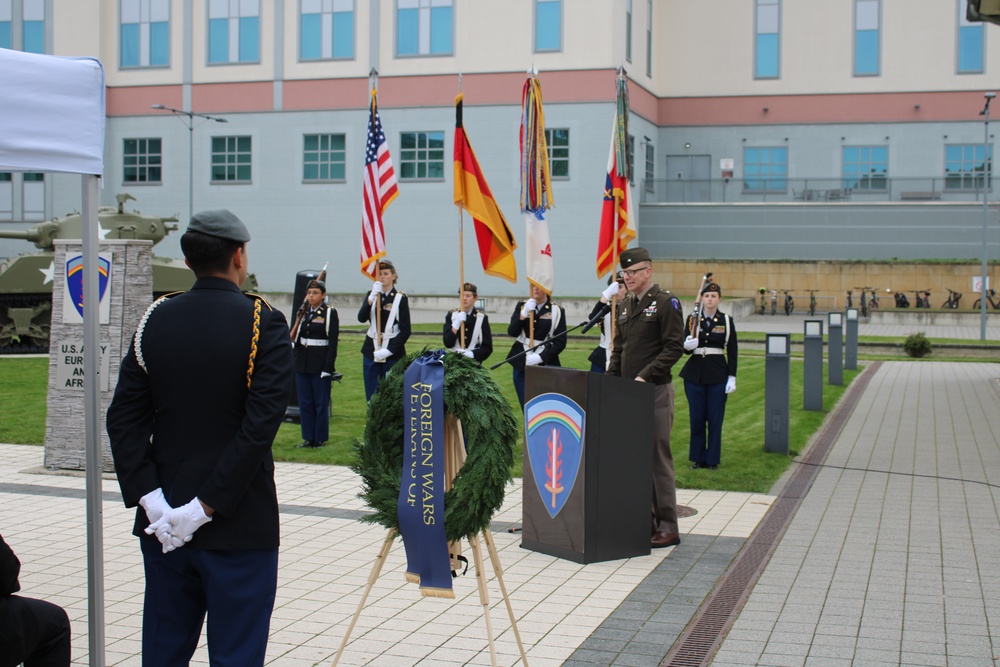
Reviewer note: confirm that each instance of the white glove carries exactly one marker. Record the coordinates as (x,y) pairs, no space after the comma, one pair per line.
(611,290)
(155,505)
(533,359)
(529,307)
(457,318)
(469,354)
(690,343)
(376,290)
(381,354)
(324,375)
(731,384)
(181,523)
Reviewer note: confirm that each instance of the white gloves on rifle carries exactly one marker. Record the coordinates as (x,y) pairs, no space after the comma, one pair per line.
(376,290)
(155,505)
(457,318)
(731,384)
(469,354)
(610,291)
(690,343)
(532,359)
(381,354)
(177,527)
(529,307)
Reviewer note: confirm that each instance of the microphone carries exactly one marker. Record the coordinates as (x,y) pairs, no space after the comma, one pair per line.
(596,318)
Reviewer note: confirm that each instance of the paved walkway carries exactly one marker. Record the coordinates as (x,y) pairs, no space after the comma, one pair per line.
(892,557)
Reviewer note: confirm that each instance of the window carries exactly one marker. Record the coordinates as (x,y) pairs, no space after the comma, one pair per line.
(866,37)
(421,155)
(323,157)
(142,161)
(965,165)
(765,170)
(22,25)
(233,31)
(548,25)
(650,165)
(326,29)
(649,37)
(145,33)
(423,27)
(970,43)
(628,30)
(33,195)
(6,195)
(767,47)
(865,167)
(558,142)
(231,160)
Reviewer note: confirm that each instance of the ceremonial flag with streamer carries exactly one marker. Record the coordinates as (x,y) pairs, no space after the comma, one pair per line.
(379,191)
(496,241)
(536,187)
(618,220)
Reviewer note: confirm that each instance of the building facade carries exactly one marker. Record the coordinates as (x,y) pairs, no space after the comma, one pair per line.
(818,114)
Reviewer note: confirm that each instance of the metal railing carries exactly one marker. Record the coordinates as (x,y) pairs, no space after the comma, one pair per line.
(957,188)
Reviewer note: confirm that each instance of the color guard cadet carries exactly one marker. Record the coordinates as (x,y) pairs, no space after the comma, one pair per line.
(467,330)
(387,312)
(315,342)
(547,340)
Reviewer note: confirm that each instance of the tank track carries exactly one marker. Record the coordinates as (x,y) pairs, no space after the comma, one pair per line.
(28,345)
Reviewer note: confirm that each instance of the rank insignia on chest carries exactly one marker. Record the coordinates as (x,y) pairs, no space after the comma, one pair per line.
(319,320)
(650,310)
(546,316)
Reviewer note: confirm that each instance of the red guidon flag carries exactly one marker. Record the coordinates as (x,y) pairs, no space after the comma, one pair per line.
(496,241)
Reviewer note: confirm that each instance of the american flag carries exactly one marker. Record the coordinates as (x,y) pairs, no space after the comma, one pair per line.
(379,191)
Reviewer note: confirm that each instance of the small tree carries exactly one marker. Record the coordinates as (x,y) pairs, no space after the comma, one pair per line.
(916,345)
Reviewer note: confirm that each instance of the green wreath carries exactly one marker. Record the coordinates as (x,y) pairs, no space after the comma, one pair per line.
(490,429)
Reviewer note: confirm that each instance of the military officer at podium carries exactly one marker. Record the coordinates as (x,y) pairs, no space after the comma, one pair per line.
(466,329)
(649,340)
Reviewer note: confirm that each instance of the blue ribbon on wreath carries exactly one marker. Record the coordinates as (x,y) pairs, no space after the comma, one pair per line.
(421,491)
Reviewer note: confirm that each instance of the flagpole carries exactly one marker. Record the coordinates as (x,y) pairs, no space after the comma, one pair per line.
(373,82)
(461,250)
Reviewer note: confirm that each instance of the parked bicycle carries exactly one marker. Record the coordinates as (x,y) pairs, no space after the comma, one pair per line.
(923,299)
(789,302)
(901,300)
(989,301)
(812,301)
(952,300)
(763,302)
(774,302)
(873,301)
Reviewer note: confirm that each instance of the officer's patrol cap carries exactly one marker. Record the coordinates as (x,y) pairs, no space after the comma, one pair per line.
(220,223)
(317,284)
(634,256)
(712,287)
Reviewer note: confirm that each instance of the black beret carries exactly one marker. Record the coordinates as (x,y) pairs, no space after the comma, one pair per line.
(712,287)
(633,256)
(220,223)
(317,284)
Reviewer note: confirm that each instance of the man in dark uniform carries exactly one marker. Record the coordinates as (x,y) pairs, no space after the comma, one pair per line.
(315,360)
(467,330)
(649,339)
(200,396)
(549,335)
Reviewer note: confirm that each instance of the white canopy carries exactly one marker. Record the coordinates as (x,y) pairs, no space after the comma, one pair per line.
(52,115)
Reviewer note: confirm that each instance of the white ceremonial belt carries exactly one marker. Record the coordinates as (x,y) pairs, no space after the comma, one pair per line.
(709,350)
(314,342)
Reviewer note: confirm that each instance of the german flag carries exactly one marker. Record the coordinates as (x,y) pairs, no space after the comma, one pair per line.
(496,241)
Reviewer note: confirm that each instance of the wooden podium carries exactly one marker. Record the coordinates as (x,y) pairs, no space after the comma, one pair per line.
(604,511)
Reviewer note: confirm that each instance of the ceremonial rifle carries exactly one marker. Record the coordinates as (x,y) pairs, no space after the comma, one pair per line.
(696,313)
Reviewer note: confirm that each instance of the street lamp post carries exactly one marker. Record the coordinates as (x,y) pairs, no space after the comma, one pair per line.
(987,173)
(190,124)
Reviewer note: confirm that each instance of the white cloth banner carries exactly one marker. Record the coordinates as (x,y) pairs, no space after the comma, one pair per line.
(52,114)
(538,252)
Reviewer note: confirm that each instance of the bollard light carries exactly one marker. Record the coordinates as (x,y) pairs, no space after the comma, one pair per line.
(777,380)
(812,368)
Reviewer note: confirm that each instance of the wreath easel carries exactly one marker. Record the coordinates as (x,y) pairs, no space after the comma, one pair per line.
(477,417)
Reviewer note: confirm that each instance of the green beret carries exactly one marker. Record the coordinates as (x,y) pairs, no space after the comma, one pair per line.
(220,223)
(634,256)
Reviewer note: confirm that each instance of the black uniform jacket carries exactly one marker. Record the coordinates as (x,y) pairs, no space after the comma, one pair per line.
(315,359)
(649,336)
(485,349)
(191,426)
(397,344)
(12,632)
(712,368)
(543,324)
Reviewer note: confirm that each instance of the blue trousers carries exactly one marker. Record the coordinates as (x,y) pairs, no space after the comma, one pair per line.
(314,406)
(707,409)
(519,385)
(374,372)
(235,588)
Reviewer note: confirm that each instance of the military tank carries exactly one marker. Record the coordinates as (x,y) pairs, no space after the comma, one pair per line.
(26,280)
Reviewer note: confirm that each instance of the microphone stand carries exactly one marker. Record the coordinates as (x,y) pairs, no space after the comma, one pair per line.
(586,327)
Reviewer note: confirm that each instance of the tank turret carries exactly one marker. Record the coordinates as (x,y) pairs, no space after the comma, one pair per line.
(26,280)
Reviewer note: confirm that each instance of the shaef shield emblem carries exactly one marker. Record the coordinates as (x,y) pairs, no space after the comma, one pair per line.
(553,426)
(74,279)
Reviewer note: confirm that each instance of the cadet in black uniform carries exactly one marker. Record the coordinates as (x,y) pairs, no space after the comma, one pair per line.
(649,339)
(392,330)
(709,375)
(315,363)
(550,333)
(615,292)
(467,330)
(200,395)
